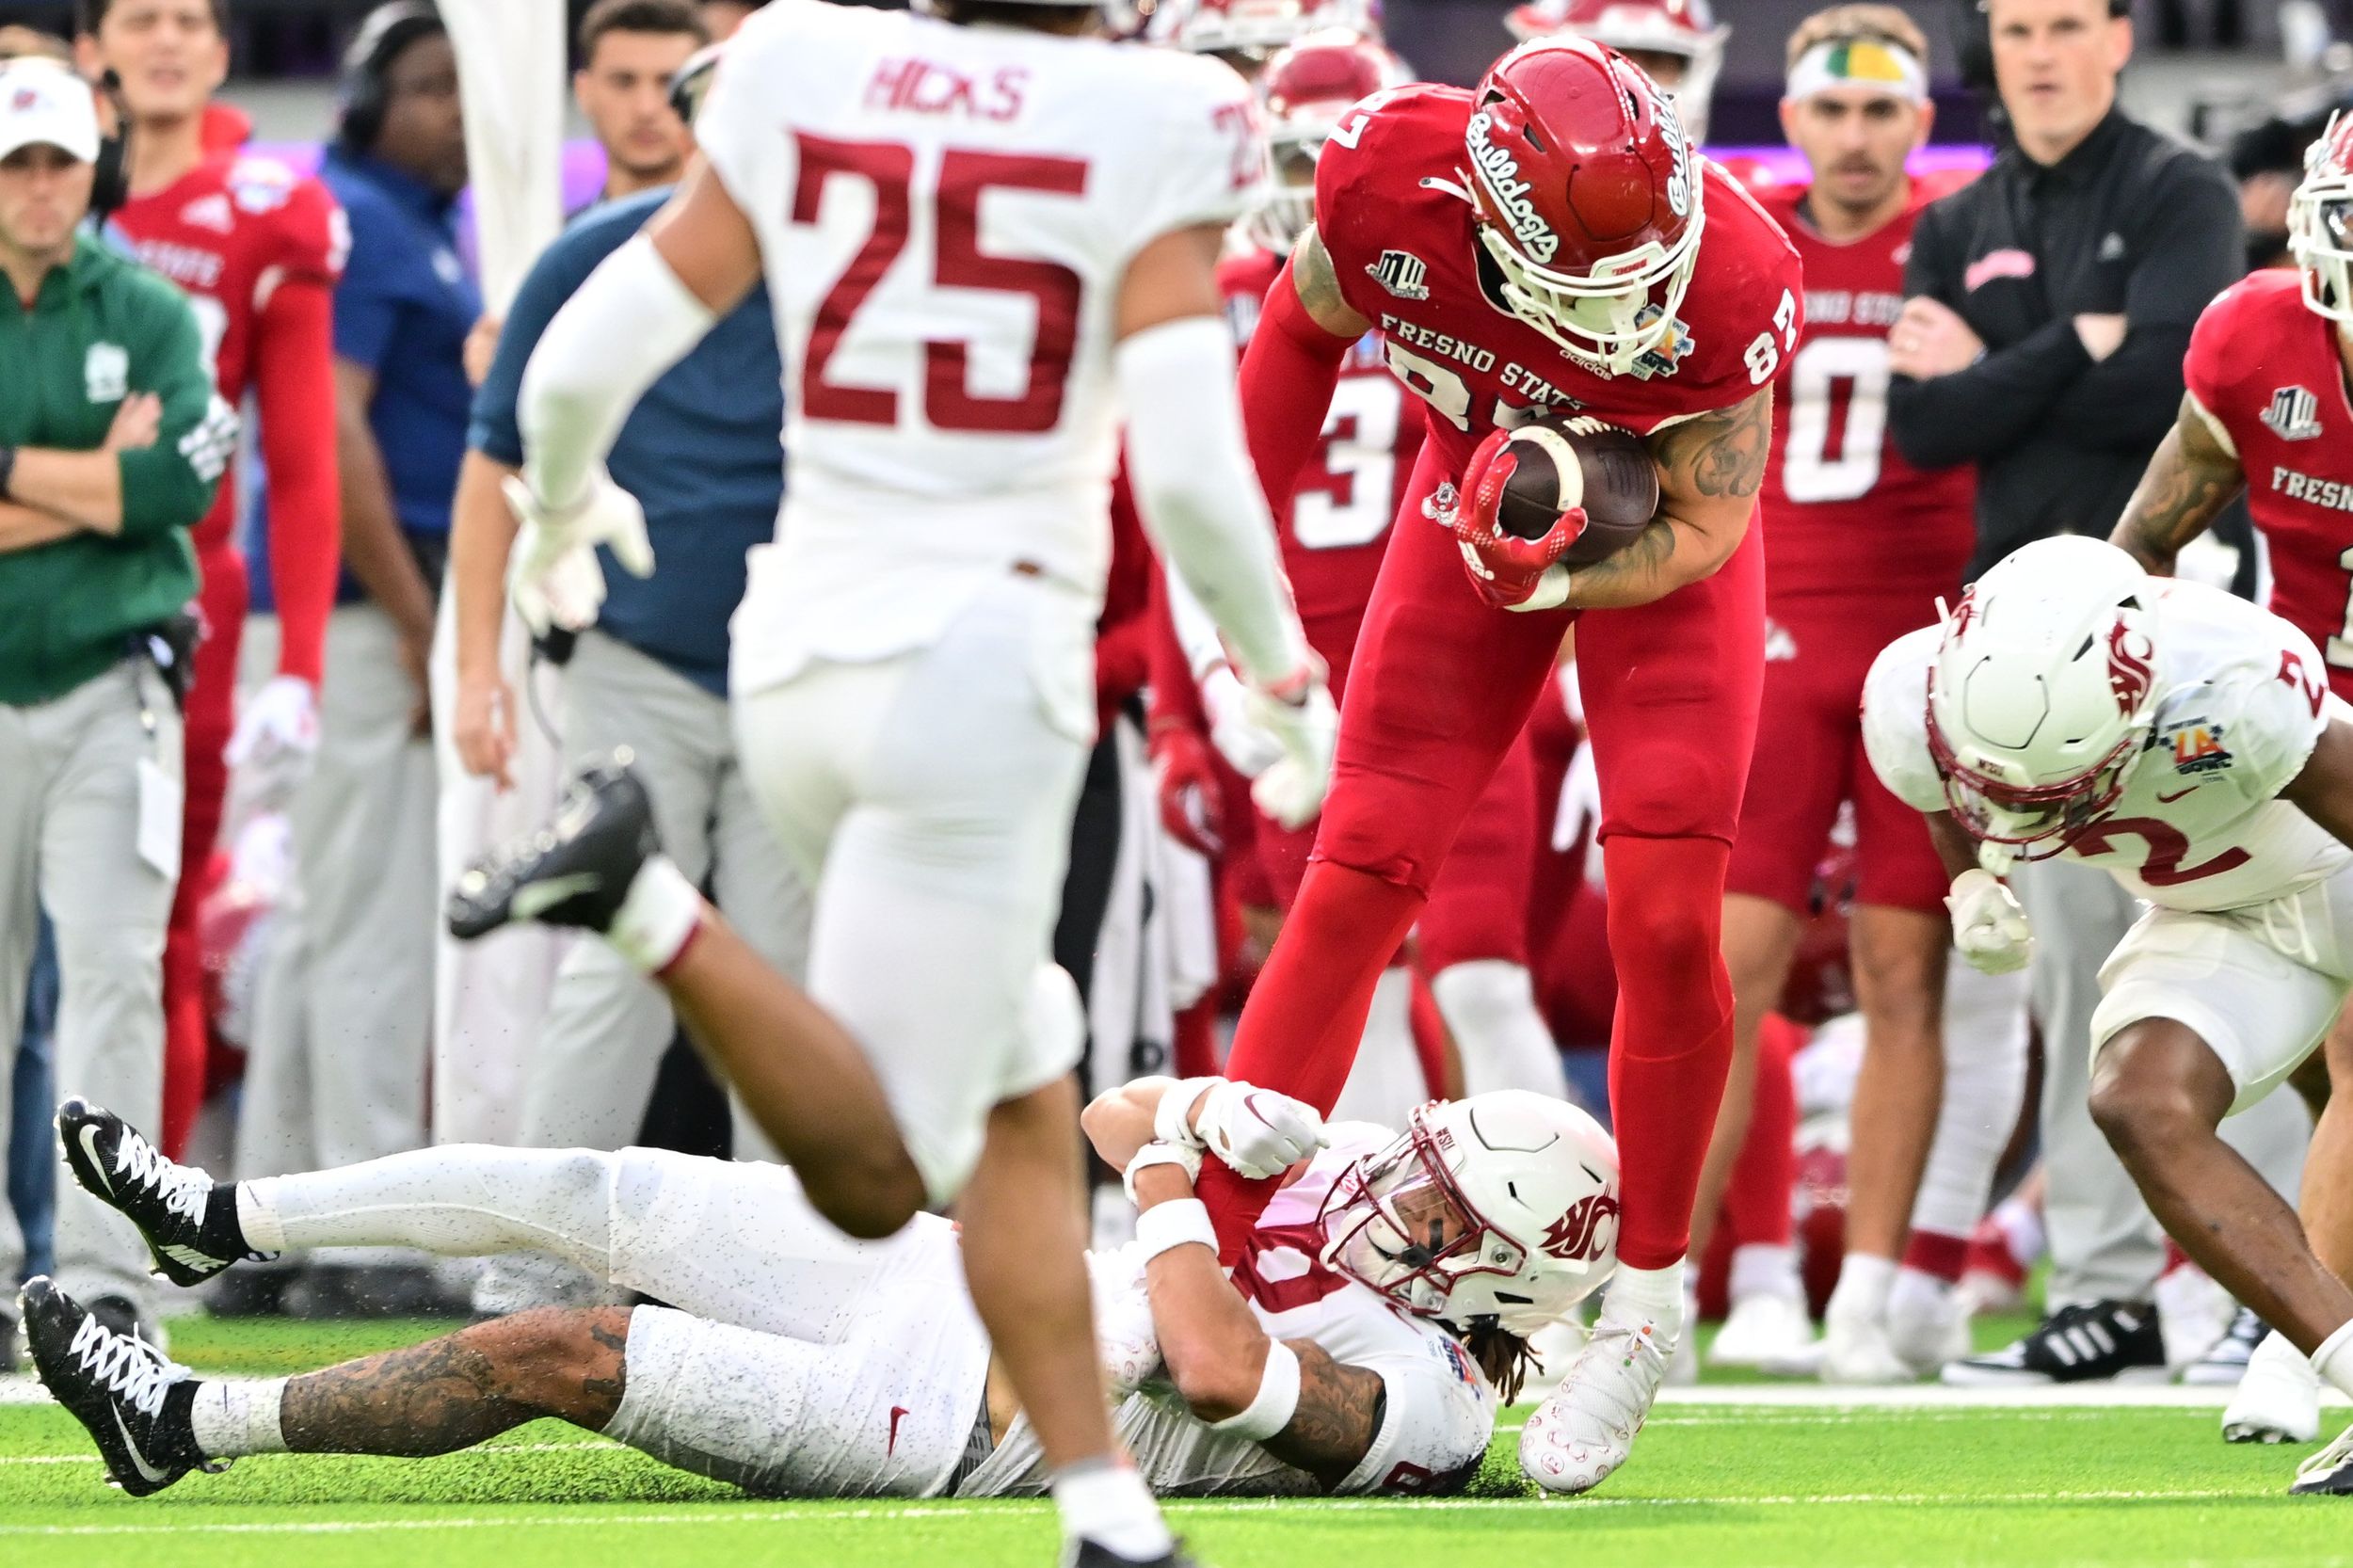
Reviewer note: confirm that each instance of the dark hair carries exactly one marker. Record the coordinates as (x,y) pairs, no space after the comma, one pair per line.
(1503,1355)
(88,15)
(638,16)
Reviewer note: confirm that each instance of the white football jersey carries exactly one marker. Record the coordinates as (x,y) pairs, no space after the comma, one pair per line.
(1439,1413)
(946,214)
(2242,697)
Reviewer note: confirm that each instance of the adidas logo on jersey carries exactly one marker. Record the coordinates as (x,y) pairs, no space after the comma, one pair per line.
(2294,414)
(210,212)
(1402,273)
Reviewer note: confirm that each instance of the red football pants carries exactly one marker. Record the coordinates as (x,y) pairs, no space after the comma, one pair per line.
(1441,686)
(210,718)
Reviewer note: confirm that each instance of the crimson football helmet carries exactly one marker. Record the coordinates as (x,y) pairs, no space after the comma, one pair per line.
(1685,29)
(1502,1207)
(1306,90)
(1588,199)
(1254,29)
(2320,222)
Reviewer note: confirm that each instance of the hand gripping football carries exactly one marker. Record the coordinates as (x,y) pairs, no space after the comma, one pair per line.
(1561,461)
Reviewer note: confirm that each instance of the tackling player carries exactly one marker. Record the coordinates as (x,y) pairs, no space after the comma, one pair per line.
(1363,1347)
(970,279)
(258,249)
(1449,223)
(2186,743)
(1858,545)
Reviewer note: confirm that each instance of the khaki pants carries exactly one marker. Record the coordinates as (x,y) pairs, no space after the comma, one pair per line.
(69,843)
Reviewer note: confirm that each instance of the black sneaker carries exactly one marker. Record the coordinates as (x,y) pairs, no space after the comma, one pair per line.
(2112,1340)
(1094,1554)
(133,1398)
(2223,1366)
(575,870)
(190,1224)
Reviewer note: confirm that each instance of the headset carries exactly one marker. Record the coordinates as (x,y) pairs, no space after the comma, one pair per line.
(387,30)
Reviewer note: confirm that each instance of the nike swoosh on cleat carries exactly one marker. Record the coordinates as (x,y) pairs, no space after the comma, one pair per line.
(898,1413)
(138,1461)
(535,899)
(190,1258)
(97,1160)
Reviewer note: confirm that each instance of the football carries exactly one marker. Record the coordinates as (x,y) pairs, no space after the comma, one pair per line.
(1565,461)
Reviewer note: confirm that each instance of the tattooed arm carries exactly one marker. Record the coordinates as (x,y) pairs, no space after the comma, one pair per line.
(463,1390)
(1710,468)
(2193,476)
(1216,1354)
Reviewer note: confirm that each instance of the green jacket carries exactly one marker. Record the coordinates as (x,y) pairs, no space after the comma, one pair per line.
(101,329)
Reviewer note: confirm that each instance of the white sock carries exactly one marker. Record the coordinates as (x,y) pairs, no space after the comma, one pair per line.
(1759,1269)
(1105,1501)
(257,1216)
(235,1418)
(1864,1285)
(1386,1081)
(2334,1361)
(1490,1006)
(1654,1294)
(1985,1083)
(2021,1224)
(1916,1294)
(657,918)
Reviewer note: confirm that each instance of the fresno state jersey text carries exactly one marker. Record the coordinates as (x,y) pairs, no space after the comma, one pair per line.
(1841,507)
(1336,525)
(2265,369)
(1397,221)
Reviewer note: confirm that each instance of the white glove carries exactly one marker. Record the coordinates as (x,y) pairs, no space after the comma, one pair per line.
(1247,745)
(1256,1132)
(1307,726)
(553,577)
(1989,927)
(276,738)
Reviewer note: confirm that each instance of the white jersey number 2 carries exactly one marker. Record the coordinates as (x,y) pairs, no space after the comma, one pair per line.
(1816,465)
(958,261)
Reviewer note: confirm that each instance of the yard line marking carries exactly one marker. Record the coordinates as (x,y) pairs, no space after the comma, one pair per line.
(593,1445)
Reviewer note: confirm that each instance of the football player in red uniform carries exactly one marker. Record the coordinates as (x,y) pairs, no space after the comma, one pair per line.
(1858,545)
(258,250)
(1678,41)
(1537,243)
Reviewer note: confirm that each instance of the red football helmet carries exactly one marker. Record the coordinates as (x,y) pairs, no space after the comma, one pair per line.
(1589,198)
(1306,92)
(1685,29)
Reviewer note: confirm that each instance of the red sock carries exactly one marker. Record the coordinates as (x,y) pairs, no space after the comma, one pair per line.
(1934,1253)
(1765,1178)
(1672,1046)
(1298,1034)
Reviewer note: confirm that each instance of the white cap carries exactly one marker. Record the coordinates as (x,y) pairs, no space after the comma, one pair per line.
(42,102)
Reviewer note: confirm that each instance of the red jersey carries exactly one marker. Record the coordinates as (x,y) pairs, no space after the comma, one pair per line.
(1843,512)
(255,246)
(1394,213)
(1336,525)
(2267,370)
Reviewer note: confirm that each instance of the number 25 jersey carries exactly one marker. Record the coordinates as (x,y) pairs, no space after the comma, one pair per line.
(946,214)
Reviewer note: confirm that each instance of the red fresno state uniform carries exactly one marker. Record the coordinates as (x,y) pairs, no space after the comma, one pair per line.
(2265,367)
(1444,683)
(1858,546)
(258,250)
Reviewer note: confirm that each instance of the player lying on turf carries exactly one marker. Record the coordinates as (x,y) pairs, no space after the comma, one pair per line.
(2186,743)
(1362,1345)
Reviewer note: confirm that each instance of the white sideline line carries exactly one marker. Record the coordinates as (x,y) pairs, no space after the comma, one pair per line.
(902,1513)
(593,1445)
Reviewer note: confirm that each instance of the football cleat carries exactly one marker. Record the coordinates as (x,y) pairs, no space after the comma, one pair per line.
(133,1398)
(2278,1400)
(1585,1428)
(1767,1333)
(574,872)
(1094,1554)
(169,1203)
(2104,1341)
(2225,1363)
(1927,1332)
(2329,1471)
(1857,1351)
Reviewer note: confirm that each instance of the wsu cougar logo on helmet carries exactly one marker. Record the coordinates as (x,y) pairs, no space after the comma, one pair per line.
(2128,667)
(1501,171)
(1577,1235)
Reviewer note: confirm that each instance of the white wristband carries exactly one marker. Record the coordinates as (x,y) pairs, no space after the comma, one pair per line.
(1277,1401)
(1185,1160)
(1171,1122)
(1179,1224)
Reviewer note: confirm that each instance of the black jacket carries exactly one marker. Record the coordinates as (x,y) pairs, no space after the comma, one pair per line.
(2131,221)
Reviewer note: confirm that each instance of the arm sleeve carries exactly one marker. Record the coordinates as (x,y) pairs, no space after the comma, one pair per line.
(1288,378)
(295,385)
(496,431)
(1895,720)
(2192,253)
(171,484)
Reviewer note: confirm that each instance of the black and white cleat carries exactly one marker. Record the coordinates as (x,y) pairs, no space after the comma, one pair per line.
(191,1236)
(133,1398)
(574,872)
